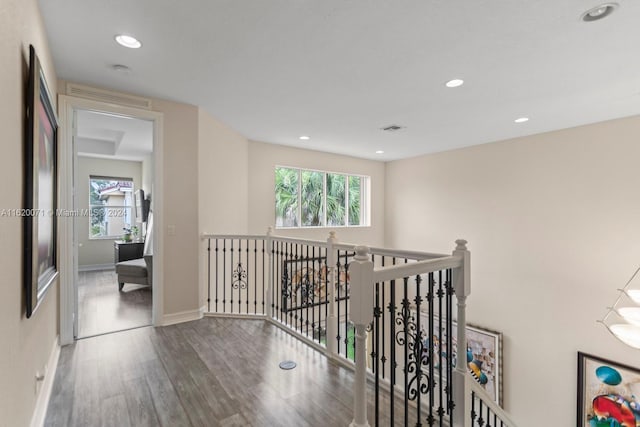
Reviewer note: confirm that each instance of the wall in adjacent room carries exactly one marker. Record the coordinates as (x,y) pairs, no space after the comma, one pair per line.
(27,343)
(147,175)
(552,221)
(98,252)
(263,158)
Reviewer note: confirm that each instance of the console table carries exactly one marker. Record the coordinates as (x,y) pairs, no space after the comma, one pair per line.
(124,251)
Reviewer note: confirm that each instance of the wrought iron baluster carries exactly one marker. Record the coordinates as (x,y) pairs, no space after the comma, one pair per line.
(239,277)
(311,290)
(405,342)
(294,286)
(248,295)
(376,349)
(224,275)
(209,274)
(433,357)
(383,356)
(480,419)
(315,286)
(347,342)
(326,300)
(284,281)
(337,281)
(231,268)
(392,349)
(445,360)
(275,279)
(255,277)
(291,264)
(473,407)
(217,274)
(450,347)
(418,344)
(274,282)
(263,275)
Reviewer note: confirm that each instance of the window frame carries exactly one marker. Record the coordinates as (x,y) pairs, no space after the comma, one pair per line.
(365,197)
(106,207)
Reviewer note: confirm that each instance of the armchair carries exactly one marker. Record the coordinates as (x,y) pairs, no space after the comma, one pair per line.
(138,270)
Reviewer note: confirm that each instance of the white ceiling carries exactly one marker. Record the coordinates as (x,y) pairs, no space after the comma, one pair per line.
(113,137)
(339,70)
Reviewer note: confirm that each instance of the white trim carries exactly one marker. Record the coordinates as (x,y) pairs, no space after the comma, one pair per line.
(96,267)
(42,402)
(182,316)
(108,96)
(237,316)
(66,106)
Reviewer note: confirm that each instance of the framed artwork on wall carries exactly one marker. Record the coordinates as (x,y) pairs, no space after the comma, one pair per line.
(484,352)
(608,393)
(40,189)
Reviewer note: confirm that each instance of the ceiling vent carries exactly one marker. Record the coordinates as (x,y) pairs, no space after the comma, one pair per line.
(107,96)
(392,128)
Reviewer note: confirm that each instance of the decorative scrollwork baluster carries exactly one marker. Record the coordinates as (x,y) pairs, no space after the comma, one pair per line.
(239,280)
(409,336)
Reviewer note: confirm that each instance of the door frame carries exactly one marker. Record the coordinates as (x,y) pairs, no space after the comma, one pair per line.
(67,241)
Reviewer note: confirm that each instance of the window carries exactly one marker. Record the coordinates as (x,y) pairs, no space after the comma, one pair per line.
(110,206)
(309,198)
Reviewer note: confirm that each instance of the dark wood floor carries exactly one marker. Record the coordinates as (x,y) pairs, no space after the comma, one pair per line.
(210,372)
(103,308)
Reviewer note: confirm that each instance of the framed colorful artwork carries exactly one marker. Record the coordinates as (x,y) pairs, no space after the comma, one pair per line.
(484,352)
(608,393)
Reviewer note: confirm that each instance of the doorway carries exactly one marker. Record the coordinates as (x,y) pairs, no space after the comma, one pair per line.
(106,165)
(113,178)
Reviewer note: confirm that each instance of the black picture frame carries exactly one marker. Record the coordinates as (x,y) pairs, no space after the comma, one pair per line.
(606,387)
(40,267)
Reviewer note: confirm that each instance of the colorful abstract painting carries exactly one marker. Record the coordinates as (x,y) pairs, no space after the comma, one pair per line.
(608,393)
(484,352)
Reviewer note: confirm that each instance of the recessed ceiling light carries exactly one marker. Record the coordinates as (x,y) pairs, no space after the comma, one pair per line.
(599,12)
(454,83)
(379,152)
(521,119)
(128,41)
(305,137)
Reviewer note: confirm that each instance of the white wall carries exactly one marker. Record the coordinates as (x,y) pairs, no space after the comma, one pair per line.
(222,184)
(223,171)
(180,212)
(99,252)
(552,222)
(26,343)
(147,175)
(263,158)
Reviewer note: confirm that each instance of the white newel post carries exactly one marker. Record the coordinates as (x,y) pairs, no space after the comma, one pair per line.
(461,283)
(361,304)
(332,320)
(270,272)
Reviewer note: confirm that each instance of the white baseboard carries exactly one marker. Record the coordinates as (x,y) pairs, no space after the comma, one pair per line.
(96,267)
(182,316)
(40,411)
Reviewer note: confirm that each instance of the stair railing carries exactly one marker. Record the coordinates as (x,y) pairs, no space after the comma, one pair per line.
(368,309)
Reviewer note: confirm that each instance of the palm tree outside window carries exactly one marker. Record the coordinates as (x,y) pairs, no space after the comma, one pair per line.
(311,198)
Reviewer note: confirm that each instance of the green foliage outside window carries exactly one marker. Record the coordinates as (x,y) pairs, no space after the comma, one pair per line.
(306,198)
